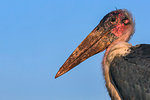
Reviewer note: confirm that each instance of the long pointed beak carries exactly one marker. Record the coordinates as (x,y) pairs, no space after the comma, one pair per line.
(98,40)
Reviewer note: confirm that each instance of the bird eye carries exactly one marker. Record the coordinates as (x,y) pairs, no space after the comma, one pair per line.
(113,19)
(126,21)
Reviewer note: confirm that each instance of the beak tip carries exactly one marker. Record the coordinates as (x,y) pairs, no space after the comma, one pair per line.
(57,75)
(61,71)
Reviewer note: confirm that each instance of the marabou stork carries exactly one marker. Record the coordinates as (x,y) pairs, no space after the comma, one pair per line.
(126,68)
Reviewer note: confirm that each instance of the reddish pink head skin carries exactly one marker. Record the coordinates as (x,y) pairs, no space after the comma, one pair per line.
(120,24)
(118,31)
(124,28)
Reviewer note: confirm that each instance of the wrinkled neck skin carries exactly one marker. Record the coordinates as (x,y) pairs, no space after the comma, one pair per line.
(106,65)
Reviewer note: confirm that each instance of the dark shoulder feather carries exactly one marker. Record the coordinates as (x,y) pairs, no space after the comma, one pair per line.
(131,74)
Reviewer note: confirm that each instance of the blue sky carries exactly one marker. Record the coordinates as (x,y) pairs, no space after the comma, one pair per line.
(37,36)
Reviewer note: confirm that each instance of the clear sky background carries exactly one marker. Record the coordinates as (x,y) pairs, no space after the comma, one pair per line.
(37,36)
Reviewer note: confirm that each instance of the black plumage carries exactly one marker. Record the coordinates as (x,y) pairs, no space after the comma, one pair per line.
(131,73)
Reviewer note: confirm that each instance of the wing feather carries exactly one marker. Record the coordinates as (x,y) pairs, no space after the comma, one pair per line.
(131,74)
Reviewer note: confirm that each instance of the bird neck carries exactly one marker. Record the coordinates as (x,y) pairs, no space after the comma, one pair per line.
(114,94)
(117,48)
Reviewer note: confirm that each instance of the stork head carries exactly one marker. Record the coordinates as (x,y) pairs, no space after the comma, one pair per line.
(115,26)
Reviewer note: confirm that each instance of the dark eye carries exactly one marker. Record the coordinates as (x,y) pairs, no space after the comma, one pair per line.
(126,21)
(113,19)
